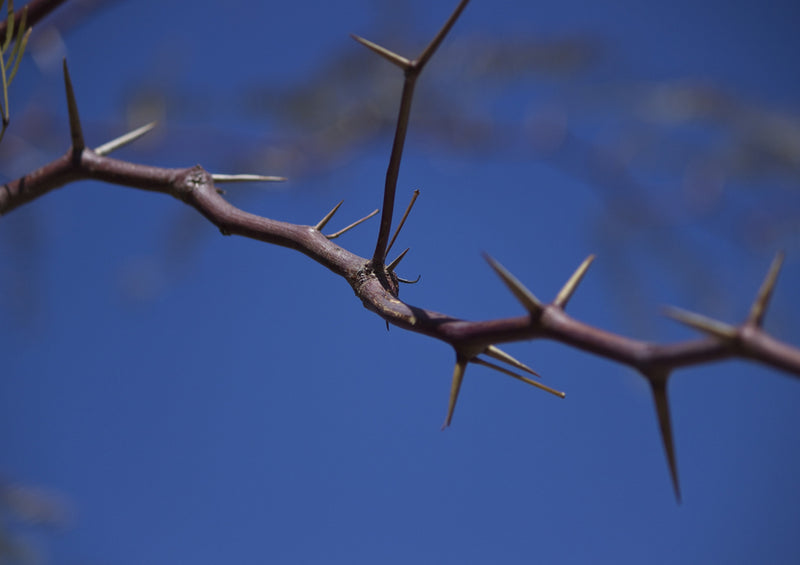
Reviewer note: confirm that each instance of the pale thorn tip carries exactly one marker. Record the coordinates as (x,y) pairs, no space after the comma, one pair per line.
(702,323)
(525,296)
(569,287)
(124,139)
(759,308)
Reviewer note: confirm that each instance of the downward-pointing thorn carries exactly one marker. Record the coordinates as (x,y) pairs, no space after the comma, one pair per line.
(75,131)
(525,296)
(658,385)
(455,387)
(479,361)
(761,302)
(569,287)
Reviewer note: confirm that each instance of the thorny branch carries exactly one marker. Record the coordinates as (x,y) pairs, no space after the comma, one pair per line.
(376,285)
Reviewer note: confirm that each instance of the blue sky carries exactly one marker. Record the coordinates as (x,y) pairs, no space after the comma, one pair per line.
(203,399)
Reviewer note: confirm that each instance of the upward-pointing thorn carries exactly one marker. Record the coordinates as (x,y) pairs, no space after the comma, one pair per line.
(324,221)
(569,287)
(74,120)
(390,56)
(525,296)
(759,308)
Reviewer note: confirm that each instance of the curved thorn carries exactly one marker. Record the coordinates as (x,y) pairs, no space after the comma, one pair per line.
(351,226)
(321,224)
(124,139)
(525,296)
(455,387)
(436,41)
(500,355)
(702,323)
(391,266)
(415,281)
(414,197)
(220,178)
(390,56)
(74,120)
(759,308)
(658,386)
(569,287)
(479,361)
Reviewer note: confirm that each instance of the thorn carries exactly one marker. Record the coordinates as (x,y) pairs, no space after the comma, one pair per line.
(479,361)
(658,385)
(455,387)
(220,178)
(391,266)
(414,197)
(390,56)
(434,44)
(328,217)
(528,300)
(74,120)
(759,308)
(569,287)
(415,281)
(351,226)
(500,355)
(125,139)
(702,323)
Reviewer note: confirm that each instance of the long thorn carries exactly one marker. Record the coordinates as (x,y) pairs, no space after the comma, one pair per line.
(390,56)
(479,361)
(351,226)
(455,387)
(500,355)
(414,197)
(702,323)
(125,139)
(75,131)
(434,44)
(759,308)
(569,287)
(323,222)
(658,385)
(393,265)
(525,296)
(221,179)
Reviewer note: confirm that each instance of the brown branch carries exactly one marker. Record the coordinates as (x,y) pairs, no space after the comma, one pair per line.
(378,292)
